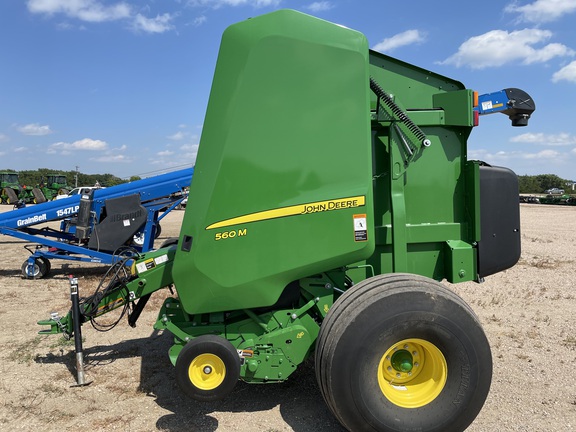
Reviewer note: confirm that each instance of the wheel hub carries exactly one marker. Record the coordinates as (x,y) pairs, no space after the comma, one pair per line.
(402,361)
(207,371)
(412,373)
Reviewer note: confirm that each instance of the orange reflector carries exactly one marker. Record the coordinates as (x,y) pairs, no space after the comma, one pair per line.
(475,99)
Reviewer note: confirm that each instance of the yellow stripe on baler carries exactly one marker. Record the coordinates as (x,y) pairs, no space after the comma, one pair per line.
(300,209)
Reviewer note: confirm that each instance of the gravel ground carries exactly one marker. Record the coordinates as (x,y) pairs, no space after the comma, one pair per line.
(527,312)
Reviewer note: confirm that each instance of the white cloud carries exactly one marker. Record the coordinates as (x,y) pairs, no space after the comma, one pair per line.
(567,73)
(186,154)
(112,158)
(19,149)
(560,139)
(67,26)
(408,37)
(480,154)
(83,144)
(84,10)
(220,3)
(184,136)
(512,156)
(178,136)
(108,155)
(165,153)
(320,6)
(35,129)
(198,21)
(95,11)
(499,47)
(542,10)
(189,153)
(544,154)
(526,162)
(189,147)
(4,138)
(160,24)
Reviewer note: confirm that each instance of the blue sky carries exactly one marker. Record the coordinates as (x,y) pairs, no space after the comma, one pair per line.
(121,86)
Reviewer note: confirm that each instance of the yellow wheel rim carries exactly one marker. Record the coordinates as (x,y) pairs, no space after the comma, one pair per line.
(412,373)
(207,371)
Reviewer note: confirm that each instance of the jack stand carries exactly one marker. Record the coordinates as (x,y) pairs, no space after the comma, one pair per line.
(81,380)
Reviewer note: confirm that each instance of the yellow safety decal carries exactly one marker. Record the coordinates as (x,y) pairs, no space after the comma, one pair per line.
(360,229)
(300,209)
(146,265)
(150,263)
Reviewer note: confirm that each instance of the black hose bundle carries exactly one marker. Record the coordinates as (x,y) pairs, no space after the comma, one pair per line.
(113,281)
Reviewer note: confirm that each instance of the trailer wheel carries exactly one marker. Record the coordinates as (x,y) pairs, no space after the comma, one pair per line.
(138,238)
(207,368)
(40,268)
(402,352)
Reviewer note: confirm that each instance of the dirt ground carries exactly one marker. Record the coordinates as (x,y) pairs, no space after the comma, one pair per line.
(528,313)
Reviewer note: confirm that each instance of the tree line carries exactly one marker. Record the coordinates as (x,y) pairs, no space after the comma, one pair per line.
(527,184)
(540,183)
(73,178)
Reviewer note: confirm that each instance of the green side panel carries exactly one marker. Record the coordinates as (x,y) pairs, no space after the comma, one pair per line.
(452,103)
(282,185)
(431,201)
(460,261)
(412,86)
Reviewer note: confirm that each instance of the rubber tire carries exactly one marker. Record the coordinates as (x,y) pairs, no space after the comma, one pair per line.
(370,318)
(158,231)
(47,265)
(40,269)
(12,197)
(208,344)
(39,197)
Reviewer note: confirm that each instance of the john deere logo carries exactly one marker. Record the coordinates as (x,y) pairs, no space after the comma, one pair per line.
(296,210)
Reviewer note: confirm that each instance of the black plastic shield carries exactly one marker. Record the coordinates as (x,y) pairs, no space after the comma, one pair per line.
(499,247)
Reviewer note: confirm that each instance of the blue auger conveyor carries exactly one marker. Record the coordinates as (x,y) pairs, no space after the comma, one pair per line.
(101,226)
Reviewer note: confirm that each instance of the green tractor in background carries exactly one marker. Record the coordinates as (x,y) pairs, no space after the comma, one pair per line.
(12,192)
(53,185)
(30,195)
(10,187)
